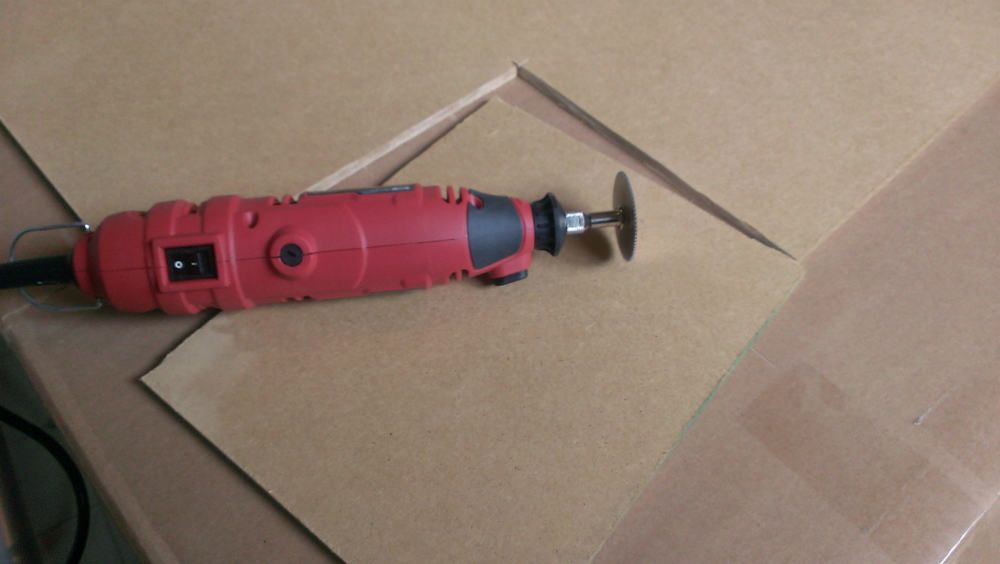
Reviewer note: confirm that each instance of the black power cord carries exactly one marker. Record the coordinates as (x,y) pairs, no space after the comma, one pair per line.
(35,433)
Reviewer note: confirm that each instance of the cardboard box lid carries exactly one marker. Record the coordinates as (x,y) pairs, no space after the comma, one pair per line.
(514,423)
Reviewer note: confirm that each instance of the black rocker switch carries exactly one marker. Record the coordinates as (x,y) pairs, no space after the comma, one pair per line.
(191,263)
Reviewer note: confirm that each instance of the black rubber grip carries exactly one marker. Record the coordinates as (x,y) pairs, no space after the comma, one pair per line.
(36,272)
(494,229)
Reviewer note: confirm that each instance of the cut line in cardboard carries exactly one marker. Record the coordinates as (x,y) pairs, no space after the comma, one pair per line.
(651,166)
(603,138)
(785,114)
(518,92)
(458,415)
(452,113)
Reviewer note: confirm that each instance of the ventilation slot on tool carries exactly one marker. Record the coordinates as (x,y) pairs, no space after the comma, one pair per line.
(450,195)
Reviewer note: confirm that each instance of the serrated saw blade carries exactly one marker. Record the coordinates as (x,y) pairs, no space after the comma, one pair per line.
(624,203)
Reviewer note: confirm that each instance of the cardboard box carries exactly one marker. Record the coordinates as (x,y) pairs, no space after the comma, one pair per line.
(847,96)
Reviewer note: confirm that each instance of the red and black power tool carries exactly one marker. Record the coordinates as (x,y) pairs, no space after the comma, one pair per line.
(234,253)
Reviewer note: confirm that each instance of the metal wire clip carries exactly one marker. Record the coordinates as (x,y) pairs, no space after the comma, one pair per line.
(24,293)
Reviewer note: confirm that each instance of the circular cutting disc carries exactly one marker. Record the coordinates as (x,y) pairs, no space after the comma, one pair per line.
(624,202)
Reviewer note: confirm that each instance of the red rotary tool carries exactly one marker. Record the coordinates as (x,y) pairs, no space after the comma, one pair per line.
(234,253)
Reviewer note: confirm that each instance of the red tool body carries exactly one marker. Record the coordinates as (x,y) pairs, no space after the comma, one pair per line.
(234,253)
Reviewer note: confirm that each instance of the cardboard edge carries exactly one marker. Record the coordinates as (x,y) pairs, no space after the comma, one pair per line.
(978,538)
(963,110)
(89,455)
(439,117)
(701,408)
(6,132)
(247,476)
(651,166)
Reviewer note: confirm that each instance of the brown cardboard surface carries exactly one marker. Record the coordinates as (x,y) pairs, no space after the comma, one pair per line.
(126,103)
(863,426)
(789,113)
(906,67)
(485,424)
